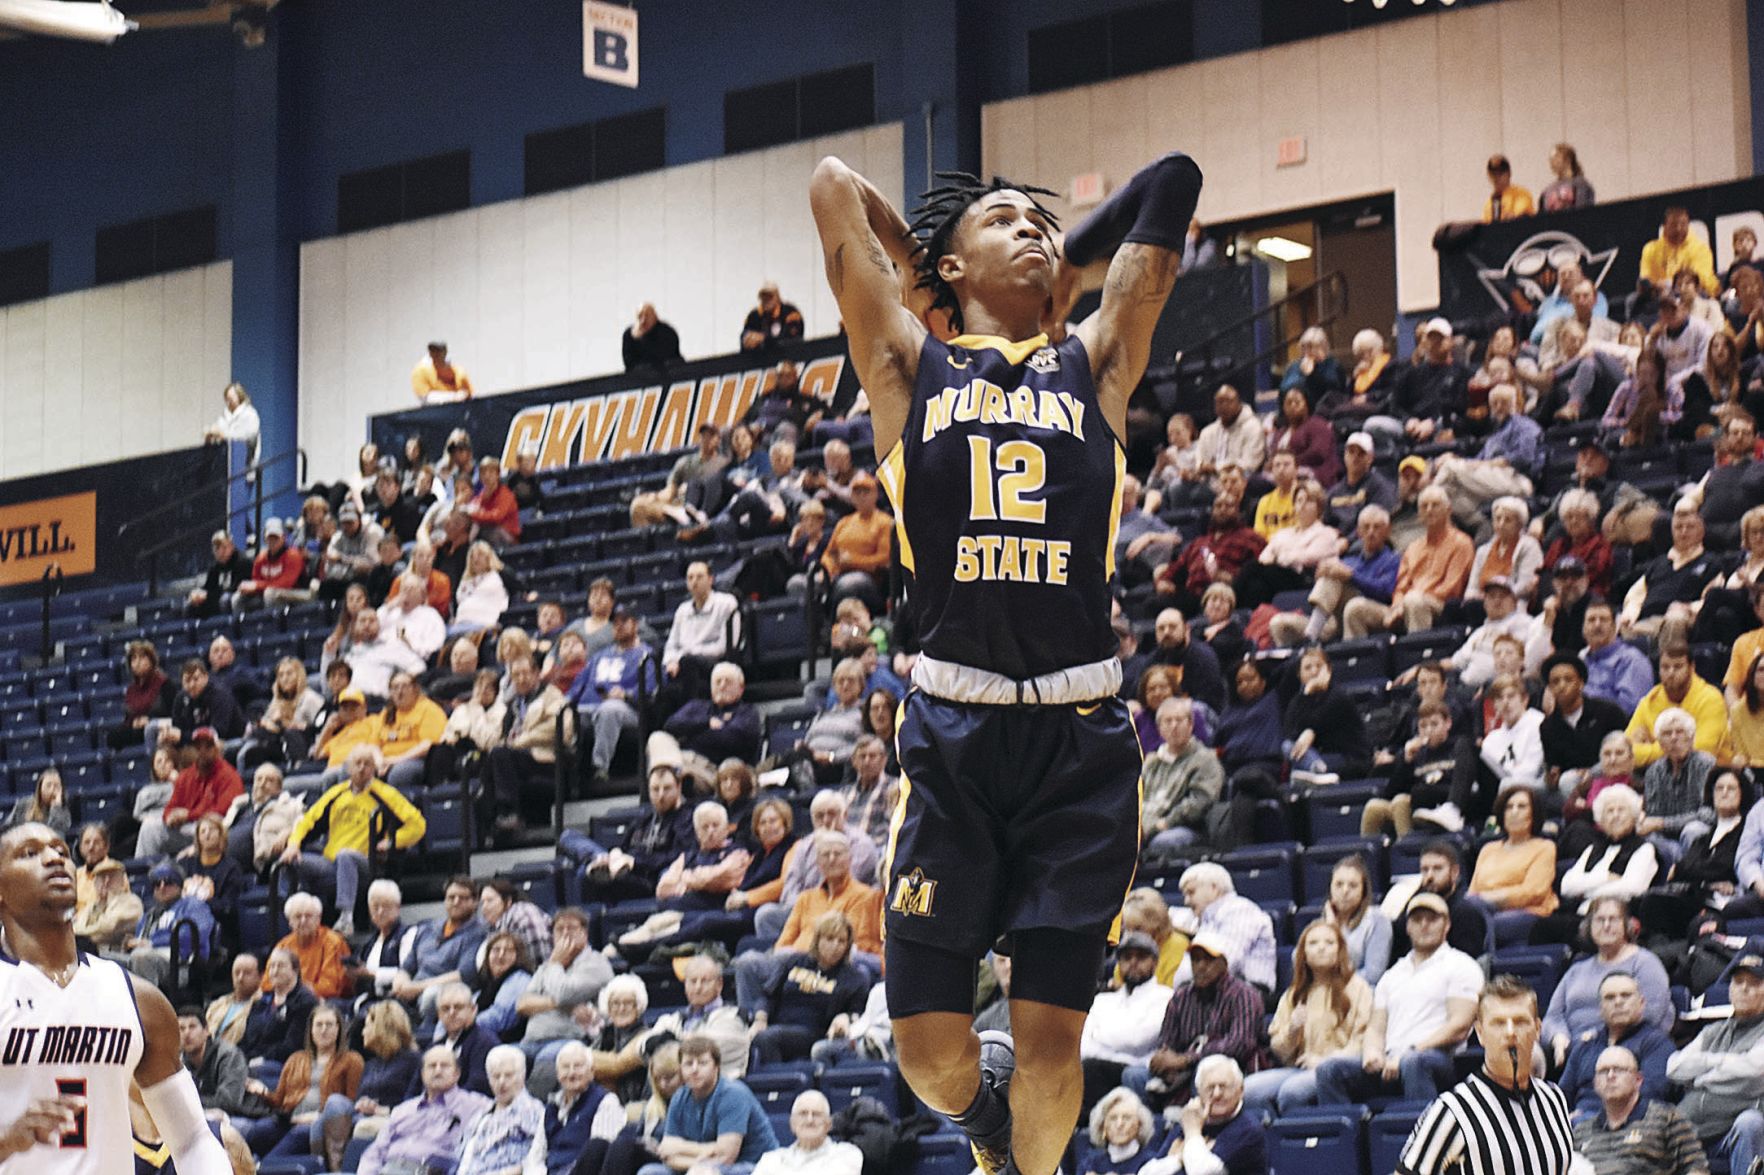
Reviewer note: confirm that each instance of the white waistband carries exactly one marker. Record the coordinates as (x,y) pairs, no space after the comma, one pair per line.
(964,683)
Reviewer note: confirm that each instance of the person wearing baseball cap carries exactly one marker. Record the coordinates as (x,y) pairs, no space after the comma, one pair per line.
(229,569)
(1564,608)
(150,946)
(862,544)
(1722,1075)
(1123,1024)
(1429,394)
(1360,486)
(1214,1013)
(1474,659)
(109,920)
(278,574)
(1422,1010)
(208,785)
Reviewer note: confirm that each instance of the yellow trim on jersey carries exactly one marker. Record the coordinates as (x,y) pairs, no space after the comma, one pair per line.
(1138,838)
(885,871)
(1115,512)
(892,474)
(157,1156)
(1015,353)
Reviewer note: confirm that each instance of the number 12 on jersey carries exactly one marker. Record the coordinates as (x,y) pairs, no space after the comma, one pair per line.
(1023,466)
(1021,470)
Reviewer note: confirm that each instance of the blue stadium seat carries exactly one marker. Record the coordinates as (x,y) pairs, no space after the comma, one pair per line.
(101,804)
(1324,1140)
(538,880)
(780,632)
(943,1154)
(1389,1130)
(1408,651)
(1540,966)
(1367,659)
(444,809)
(1263,873)
(844,1084)
(1333,810)
(776,1086)
(610,828)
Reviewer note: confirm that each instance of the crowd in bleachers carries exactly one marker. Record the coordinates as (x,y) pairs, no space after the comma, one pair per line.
(1449,663)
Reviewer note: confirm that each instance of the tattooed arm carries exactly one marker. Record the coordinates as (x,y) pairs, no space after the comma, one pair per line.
(1143,224)
(868,247)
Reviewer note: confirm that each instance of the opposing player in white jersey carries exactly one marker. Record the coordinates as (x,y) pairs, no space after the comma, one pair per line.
(74,1030)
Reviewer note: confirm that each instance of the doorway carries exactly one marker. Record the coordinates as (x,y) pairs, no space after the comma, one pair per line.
(1356,238)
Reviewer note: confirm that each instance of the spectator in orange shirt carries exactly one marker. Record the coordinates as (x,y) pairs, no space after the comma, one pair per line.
(494,510)
(839,890)
(862,545)
(320,949)
(1435,569)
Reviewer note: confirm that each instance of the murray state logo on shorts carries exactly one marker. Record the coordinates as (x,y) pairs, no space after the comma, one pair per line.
(913,894)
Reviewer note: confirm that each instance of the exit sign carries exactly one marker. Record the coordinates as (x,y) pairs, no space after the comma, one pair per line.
(1290,152)
(1088,189)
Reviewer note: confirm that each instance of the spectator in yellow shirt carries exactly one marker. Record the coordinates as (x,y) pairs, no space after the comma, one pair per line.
(1508,201)
(406,730)
(439,380)
(1679,686)
(862,544)
(1277,510)
(345,816)
(1675,249)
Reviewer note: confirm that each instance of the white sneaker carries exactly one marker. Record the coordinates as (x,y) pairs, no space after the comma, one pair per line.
(345,925)
(1445,816)
(1316,778)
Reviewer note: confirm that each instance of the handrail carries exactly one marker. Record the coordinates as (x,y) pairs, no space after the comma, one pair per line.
(52,579)
(1331,295)
(251,474)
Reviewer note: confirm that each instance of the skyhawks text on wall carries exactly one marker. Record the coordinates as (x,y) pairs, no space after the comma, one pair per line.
(651,419)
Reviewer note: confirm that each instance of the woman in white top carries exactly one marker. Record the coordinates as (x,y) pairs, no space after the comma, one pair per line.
(1291,557)
(482,597)
(1621,863)
(238,422)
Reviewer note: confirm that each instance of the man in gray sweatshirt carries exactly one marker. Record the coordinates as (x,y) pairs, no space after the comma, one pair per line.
(1722,1071)
(571,977)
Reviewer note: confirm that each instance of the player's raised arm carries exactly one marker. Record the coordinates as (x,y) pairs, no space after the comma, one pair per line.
(168,1091)
(864,239)
(1143,225)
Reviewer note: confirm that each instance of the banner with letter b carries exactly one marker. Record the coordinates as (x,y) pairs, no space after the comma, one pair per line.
(609,43)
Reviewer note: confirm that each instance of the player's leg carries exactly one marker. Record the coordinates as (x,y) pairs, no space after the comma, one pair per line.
(1053,981)
(937,1049)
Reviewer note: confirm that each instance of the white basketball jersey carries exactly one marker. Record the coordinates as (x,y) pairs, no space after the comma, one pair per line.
(83,1040)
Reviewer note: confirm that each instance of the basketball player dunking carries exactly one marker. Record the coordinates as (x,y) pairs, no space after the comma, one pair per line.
(74,1030)
(1018,821)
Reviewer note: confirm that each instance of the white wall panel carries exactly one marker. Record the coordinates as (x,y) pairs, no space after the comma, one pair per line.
(115,371)
(1416,108)
(539,291)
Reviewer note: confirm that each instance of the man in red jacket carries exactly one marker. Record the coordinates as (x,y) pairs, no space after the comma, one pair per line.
(208,785)
(278,574)
(494,510)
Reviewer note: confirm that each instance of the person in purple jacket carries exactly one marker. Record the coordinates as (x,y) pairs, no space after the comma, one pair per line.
(610,689)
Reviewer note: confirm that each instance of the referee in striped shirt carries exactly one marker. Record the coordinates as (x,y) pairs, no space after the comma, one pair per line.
(1497,1121)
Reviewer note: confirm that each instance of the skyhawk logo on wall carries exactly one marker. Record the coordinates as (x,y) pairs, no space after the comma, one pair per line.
(1494,271)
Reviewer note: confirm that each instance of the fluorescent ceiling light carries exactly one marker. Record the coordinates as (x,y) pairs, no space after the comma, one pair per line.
(65,18)
(1283,249)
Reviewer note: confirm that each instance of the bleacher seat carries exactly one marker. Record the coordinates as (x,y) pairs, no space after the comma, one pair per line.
(844,1084)
(1322,1140)
(1540,966)
(539,880)
(776,1086)
(1263,873)
(1367,659)
(1388,1131)
(1411,649)
(943,1154)
(1332,811)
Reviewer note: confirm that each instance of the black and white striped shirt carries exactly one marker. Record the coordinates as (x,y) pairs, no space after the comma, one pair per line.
(1479,1128)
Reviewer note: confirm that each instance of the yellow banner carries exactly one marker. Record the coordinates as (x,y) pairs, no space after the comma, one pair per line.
(50,531)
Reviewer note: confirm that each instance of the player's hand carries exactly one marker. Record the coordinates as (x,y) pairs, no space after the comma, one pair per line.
(42,1124)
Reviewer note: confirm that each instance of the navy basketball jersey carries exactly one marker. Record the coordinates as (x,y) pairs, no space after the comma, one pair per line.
(1006,487)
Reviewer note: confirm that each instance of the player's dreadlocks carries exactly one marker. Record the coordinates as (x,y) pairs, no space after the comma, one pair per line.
(934,223)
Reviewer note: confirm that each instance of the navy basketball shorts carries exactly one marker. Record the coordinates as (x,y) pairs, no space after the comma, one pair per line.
(1011,818)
